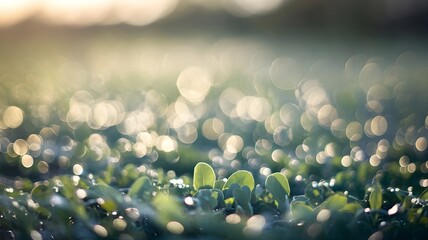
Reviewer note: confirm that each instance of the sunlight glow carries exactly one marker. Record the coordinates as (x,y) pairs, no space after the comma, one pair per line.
(14,11)
(85,12)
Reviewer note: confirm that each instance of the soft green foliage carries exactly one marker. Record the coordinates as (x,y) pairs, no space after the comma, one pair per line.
(424,195)
(168,208)
(334,202)
(209,199)
(165,207)
(277,185)
(242,178)
(141,188)
(93,145)
(242,197)
(203,176)
(375,198)
(300,210)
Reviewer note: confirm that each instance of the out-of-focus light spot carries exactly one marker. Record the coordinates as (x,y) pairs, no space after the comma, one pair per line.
(321,157)
(285,73)
(253,108)
(315,96)
(140,149)
(370,74)
(354,65)
(289,114)
(14,11)
(382,148)
(377,93)
(421,144)
(375,106)
(35,235)
(100,230)
(330,150)
(346,161)
(244,8)
(277,155)
(423,182)
(354,131)
(187,134)
(326,115)
(27,161)
(306,122)
(175,227)
(233,218)
(255,224)
(43,167)
(265,171)
(231,143)
(411,168)
(48,155)
(212,128)
(357,154)
(376,236)
(379,125)
(75,12)
(13,117)
(263,147)
(404,161)
(272,122)
(194,84)
(374,161)
(149,139)
(338,127)
(81,193)
(141,13)
(228,100)
(394,209)
(83,13)
(20,147)
(106,114)
(283,136)
(314,230)
(34,142)
(189,201)
(133,213)
(323,215)
(424,167)
(77,169)
(76,180)
(166,143)
(119,224)
(367,128)
(171,174)
(181,112)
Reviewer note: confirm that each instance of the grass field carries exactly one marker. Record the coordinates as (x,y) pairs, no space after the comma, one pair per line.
(101,130)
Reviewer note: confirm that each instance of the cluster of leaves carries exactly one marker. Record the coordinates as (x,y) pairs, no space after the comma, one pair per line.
(71,207)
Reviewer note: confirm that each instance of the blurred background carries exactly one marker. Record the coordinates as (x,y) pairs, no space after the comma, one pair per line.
(316,89)
(274,15)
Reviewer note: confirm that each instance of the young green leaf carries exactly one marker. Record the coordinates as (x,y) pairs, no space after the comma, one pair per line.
(141,188)
(242,197)
(424,195)
(203,176)
(300,210)
(277,185)
(351,207)
(375,198)
(334,202)
(41,192)
(242,178)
